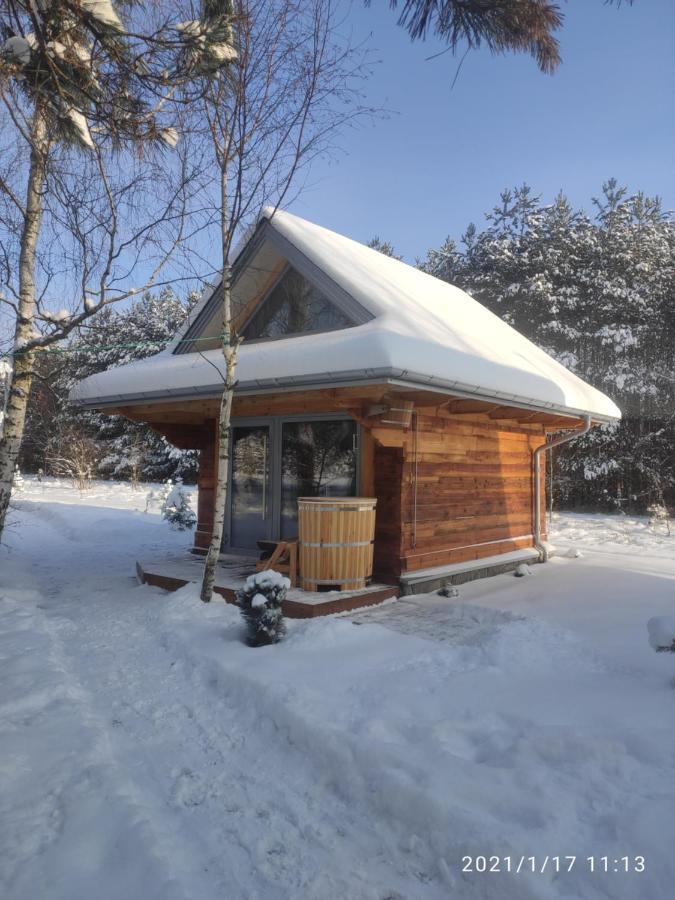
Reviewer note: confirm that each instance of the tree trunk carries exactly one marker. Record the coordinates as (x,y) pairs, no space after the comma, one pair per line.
(22,368)
(223,467)
(230,346)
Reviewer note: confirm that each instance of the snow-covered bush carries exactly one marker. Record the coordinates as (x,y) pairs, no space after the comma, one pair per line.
(18,480)
(158,498)
(77,457)
(659,516)
(176,507)
(153,498)
(260,603)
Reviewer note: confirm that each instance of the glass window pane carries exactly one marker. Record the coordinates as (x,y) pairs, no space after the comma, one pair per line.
(294,306)
(317,460)
(250,496)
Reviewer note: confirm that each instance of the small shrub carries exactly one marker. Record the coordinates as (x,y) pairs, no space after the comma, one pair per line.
(659,516)
(176,508)
(260,604)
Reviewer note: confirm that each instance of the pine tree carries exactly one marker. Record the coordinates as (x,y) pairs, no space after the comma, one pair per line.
(503,26)
(383,247)
(177,509)
(260,602)
(123,449)
(599,295)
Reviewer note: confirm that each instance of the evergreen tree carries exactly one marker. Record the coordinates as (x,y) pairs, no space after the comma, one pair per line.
(383,247)
(119,448)
(503,26)
(177,509)
(598,294)
(260,603)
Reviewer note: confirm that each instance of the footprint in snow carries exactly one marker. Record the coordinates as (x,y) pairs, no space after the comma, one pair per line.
(189,789)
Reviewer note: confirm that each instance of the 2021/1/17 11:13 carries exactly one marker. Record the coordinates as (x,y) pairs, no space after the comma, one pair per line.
(617,864)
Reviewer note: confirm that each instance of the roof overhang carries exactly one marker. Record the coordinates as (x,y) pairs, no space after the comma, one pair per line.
(407,325)
(401,379)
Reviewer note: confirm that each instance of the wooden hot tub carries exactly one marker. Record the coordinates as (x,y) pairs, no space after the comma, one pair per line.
(336,542)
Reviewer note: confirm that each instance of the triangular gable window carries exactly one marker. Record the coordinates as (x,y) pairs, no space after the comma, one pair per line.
(294,306)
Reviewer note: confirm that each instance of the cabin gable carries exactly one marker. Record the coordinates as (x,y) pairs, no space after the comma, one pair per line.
(277,292)
(292,307)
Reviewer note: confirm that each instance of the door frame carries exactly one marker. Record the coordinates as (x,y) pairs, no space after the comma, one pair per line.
(275,424)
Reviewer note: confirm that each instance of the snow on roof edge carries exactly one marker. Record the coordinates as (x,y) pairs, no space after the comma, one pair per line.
(396,377)
(472,354)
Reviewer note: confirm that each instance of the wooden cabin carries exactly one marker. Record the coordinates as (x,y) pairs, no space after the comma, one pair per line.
(361,375)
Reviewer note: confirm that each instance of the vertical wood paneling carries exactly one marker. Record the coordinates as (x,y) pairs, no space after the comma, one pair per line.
(335,542)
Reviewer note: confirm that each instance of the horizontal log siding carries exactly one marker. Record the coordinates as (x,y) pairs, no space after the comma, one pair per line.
(474,491)
(206,482)
(474,483)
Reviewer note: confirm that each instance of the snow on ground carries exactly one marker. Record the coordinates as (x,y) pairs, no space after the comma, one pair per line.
(611,533)
(147,752)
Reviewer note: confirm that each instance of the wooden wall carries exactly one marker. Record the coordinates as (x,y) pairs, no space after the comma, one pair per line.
(206,483)
(455,485)
(452,489)
(387,487)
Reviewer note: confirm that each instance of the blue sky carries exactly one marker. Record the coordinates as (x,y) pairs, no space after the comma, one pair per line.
(441,159)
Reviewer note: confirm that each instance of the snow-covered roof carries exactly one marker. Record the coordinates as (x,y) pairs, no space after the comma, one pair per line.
(420,332)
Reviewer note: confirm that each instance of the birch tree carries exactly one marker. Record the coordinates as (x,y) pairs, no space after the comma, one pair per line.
(290,85)
(91,208)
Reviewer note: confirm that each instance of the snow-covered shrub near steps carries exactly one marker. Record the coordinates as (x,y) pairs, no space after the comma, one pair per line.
(176,507)
(260,604)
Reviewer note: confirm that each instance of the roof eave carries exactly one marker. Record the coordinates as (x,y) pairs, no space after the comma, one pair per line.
(396,377)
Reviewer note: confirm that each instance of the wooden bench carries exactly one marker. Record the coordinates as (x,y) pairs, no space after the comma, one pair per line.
(283,558)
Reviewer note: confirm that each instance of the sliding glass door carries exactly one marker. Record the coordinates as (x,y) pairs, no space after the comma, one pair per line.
(277,460)
(251,509)
(318,459)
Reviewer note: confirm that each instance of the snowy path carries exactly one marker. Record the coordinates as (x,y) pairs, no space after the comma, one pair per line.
(148,753)
(158,766)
